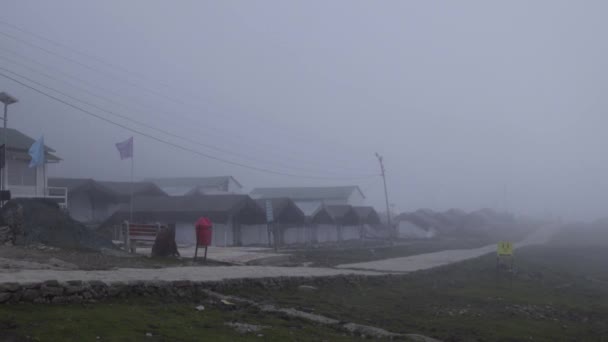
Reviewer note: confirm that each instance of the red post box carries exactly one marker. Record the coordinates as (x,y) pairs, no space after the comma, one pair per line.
(203,228)
(203,231)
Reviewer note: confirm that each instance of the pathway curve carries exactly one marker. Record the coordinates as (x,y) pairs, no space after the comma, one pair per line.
(218,273)
(430,260)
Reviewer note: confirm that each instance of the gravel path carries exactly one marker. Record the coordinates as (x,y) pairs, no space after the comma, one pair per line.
(200,273)
(193,273)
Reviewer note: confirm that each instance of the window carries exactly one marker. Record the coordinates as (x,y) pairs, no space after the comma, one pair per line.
(20,174)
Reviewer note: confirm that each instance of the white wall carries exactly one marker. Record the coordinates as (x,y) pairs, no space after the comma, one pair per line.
(254,234)
(25,186)
(327,233)
(297,235)
(350,233)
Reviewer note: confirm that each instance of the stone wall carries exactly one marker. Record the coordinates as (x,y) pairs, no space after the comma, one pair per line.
(76,291)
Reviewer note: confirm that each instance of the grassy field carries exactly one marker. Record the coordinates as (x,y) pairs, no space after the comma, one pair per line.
(328,257)
(557,294)
(165,321)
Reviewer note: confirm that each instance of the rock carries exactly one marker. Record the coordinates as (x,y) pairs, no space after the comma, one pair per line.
(70,290)
(149,334)
(9,287)
(51,291)
(200,308)
(182,283)
(59,300)
(244,328)
(4,297)
(307,288)
(51,283)
(97,283)
(164,244)
(30,295)
(116,290)
(31,285)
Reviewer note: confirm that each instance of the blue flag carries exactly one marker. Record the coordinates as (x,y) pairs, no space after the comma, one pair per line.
(37,153)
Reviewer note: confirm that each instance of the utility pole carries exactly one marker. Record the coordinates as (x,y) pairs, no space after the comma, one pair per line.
(388,211)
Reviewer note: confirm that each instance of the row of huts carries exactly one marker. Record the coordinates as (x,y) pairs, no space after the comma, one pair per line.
(239,220)
(299,215)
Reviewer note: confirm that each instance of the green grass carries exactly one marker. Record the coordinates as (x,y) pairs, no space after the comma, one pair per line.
(167,321)
(557,294)
(328,257)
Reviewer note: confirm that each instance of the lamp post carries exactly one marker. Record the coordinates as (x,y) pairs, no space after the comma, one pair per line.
(7,100)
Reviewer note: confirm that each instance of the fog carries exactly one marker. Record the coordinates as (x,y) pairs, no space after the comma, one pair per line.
(472,103)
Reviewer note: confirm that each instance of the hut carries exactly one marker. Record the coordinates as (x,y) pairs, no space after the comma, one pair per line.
(232,215)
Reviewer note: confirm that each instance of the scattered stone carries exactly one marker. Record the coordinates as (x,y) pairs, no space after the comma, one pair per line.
(149,334)
(200,308)
(226,302)
(244,328)
(307,288)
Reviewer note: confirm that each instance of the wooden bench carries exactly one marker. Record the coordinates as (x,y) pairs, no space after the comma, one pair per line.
(139,234)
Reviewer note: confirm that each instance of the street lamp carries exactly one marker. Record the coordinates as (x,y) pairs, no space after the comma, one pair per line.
(7,100)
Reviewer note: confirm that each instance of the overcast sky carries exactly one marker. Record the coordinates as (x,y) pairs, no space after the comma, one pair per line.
(472,103)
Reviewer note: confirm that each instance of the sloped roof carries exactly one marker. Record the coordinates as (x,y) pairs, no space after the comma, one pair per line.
(339,214)
(20,142)
(139,188)
(284,210)
(193,181)
(367,215)
(308,193)
(219,208)
(83,185)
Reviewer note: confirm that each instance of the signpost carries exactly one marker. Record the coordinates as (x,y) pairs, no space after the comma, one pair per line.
(504,256)
(269,221)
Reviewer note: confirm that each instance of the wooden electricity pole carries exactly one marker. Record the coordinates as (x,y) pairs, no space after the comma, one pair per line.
(388,212)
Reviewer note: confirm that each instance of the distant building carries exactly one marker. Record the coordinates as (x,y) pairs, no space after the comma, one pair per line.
(22,180)
(180,186)
(92,201)
(310,199)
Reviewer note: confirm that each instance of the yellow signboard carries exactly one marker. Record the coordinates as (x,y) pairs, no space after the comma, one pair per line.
(505,248)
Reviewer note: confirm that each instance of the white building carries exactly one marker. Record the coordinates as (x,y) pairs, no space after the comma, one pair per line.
(20,179)
(180,186)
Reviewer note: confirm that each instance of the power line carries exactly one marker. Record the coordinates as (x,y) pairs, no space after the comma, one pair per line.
(144,124)
(169,143)
(91,56)
(316,166)
(132,84)
(125,117)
